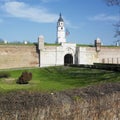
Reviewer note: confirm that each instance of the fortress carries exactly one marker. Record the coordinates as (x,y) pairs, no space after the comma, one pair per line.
(63,53)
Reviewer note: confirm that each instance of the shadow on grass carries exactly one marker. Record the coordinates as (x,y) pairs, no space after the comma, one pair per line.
(79,77)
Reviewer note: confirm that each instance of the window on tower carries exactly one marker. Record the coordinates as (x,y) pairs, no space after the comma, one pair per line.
(61,23)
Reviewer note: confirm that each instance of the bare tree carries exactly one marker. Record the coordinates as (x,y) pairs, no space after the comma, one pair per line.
(113,2)
(117,25)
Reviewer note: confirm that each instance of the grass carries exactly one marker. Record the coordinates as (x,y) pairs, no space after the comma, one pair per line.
(57,78)
(52,44)
(84,45)
(19,44)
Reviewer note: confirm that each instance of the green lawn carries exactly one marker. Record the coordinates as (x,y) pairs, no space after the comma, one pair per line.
(57,78)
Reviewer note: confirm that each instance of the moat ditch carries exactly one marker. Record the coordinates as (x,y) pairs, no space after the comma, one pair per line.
(100,102)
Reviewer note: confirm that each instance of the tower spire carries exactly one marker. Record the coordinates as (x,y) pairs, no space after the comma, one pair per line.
(60,30)
(60,15)
(60,18)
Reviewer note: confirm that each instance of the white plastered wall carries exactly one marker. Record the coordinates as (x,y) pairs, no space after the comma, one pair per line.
(54,56)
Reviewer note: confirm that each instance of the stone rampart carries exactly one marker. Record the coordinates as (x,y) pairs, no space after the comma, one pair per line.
(109,55)
(89,55)
(16,56)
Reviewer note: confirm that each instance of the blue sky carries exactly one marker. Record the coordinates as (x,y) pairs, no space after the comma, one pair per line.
(86,20)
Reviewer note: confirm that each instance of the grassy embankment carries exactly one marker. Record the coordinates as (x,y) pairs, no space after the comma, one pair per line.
(57,78)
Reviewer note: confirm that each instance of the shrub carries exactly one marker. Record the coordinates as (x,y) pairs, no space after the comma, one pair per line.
(4,75)
(24,78)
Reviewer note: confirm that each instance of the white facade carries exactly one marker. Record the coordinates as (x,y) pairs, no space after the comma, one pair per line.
(69,53)
(55,55)
(60,30)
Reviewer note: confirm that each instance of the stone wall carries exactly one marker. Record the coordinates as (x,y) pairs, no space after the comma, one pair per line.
(109,55)
(54,55)
(15,56)
(100,102)
(48,56)
(87,55)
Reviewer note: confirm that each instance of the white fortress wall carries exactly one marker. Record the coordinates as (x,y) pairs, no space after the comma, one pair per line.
(110,55)
(87,55)
(54,55)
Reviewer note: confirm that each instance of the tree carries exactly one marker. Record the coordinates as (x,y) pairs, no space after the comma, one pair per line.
(24,78)
(112,2)
(1,40)
(117,25)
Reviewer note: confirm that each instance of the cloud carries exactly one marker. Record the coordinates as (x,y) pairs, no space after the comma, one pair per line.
(104,17)
(22,10)
(3,0)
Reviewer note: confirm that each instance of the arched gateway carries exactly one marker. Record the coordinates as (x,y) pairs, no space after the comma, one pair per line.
(68,59)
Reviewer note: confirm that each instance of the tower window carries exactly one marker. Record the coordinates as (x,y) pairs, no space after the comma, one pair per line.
(61,23)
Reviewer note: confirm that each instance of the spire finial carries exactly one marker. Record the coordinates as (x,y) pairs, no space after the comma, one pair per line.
(60,15)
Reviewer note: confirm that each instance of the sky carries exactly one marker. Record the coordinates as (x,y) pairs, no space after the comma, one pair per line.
(86,20)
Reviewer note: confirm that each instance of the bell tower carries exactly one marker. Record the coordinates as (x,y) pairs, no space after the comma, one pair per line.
(60,30)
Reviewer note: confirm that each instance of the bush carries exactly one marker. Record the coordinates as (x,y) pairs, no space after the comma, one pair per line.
(4,75)
(24,78)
